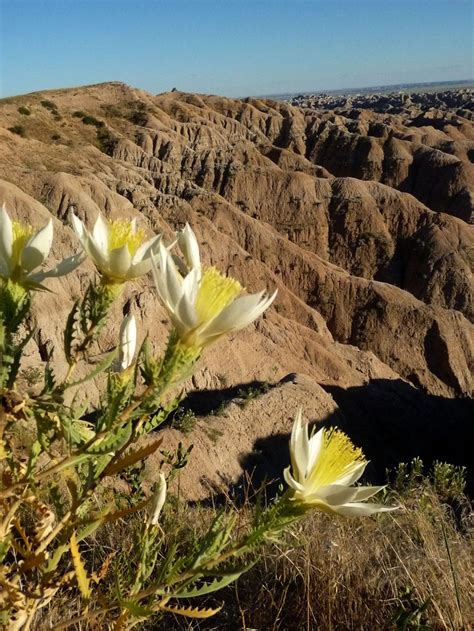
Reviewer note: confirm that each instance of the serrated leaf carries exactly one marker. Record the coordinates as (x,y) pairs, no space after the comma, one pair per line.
(114,441)
(57,555)
(69,332)
(88,529)
(76,431)
(119,394)
(132,457)
(82,579)
(137,610)
(215,539)
(226,577)
(5,545)
(16,358)
(35,452)
(49,379)
(160,417)
(189,612)
(100,367)
(71,463)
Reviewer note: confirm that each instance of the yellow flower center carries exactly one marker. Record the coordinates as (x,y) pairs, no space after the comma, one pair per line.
(121,233)
(338,456)
(216,291)
(21,234)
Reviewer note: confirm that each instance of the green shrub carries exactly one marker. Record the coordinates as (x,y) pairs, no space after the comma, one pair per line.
(24,110)
(184,421)
(19,130)
(87,119)
(91,120)
(449,481)
(106,139)
(49,105)
(138,117)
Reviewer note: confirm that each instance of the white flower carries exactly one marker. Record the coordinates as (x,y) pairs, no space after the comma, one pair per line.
(157,501)
(322,469)
(190,248)
(128,341)
(118,248)
(22,250)
(205,305)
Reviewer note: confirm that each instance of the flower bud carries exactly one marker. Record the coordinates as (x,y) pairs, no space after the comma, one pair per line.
(128,341)
(157,501)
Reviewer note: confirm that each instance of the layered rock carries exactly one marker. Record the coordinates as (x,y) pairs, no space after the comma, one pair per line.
(357,217)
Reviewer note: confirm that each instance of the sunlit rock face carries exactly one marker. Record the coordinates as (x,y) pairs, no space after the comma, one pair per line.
(359,218)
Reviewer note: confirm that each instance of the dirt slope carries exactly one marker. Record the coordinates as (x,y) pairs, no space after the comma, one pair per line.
(359,218)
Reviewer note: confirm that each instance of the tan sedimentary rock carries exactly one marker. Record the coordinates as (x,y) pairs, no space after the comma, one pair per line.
(359,219)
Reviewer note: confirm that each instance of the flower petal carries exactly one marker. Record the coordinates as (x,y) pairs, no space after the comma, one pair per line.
(336,494)
(173,280)
(157,501)
(238,314)
(187,313)
(364,492)
(315,446)
(299,447)
(144,250)
(6,238)
(353,474)
(78,226)
(290,480)
(37,247)
(128,341)
(99,257)
(159,280)
(100,234)
(358,509)
(140,268)
(188,245)
(119,262)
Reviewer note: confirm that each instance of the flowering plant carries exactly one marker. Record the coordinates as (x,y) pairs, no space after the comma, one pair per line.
(46,498)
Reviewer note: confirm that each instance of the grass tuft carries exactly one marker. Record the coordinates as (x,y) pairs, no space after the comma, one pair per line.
(408,570)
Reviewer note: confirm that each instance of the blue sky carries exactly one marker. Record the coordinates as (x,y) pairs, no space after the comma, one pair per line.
(233,47)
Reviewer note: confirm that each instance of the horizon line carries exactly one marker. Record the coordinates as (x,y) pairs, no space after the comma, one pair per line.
(267,95)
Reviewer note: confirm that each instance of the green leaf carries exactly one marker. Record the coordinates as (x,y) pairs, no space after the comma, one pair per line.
(119,394)
(188,612)
(72,463)
(150,368)
(215,540)
(35,452)
(137,611)
(16,357)
(57,555)
(114,441)
(5,545)
(161,415)
(230,575)
(49,379)
(91,527)
(100,367)
(70,331)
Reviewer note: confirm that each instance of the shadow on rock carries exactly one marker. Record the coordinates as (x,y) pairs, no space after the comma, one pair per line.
(391,421)
(205,402)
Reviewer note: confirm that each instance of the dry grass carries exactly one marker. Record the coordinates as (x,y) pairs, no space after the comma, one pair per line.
(352,574)
(406,570)
(411,569)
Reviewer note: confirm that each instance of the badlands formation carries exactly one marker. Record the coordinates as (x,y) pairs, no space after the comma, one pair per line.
(360,218)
